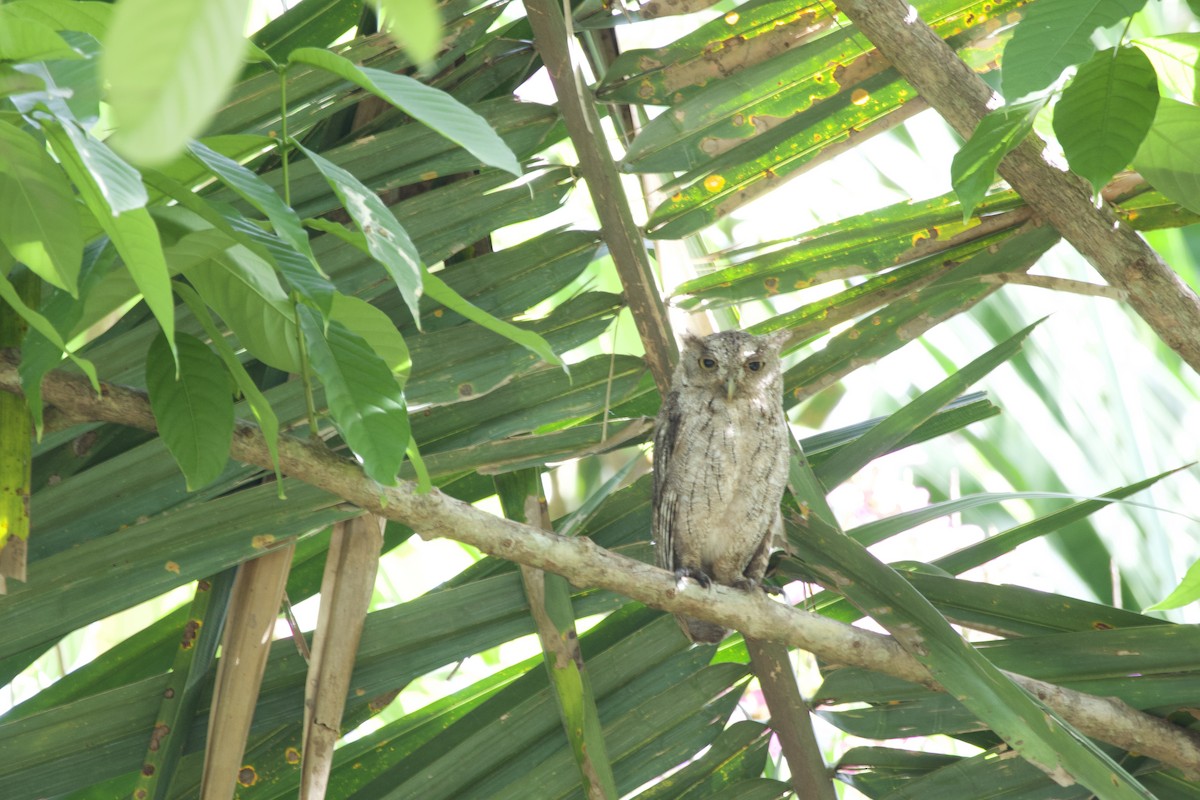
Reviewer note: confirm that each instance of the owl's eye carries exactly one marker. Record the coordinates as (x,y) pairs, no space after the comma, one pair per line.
(708,363)
(754,366)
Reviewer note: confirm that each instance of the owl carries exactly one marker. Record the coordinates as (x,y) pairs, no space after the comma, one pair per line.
(720,464)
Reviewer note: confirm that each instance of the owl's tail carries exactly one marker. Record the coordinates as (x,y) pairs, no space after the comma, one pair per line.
(701,631)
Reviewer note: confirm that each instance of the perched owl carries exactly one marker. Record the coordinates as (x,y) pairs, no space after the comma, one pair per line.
(720,464)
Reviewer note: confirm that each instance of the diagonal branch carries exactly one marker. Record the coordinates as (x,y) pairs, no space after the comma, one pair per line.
(587,564)
(1119,254)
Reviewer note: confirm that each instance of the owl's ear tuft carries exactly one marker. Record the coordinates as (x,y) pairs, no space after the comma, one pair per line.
(692,340)
(777,340)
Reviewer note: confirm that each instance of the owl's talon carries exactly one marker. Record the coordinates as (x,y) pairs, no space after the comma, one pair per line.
(698,575)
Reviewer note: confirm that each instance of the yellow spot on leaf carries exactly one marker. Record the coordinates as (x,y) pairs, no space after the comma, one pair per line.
(731,18)
(247,776)
(172,567)
(860,97)
(428,176)
(437,312)
(714,183)
(262,542)
(291,755)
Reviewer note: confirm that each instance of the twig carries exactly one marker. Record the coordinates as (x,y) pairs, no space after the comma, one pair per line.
(1057,284)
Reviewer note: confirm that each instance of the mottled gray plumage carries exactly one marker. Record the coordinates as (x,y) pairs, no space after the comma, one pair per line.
(720,464)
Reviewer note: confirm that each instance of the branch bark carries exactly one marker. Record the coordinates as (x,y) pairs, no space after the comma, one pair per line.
(587,564)
(1118,253)
(621,233)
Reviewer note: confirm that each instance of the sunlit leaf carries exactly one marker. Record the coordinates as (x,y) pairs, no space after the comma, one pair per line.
(973,170)
(168,67)
(1165,158)
(39,223)
(416,25)
(1104,114)
(1053,36)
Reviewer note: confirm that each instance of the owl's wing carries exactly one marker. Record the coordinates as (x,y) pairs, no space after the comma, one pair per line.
(665,499)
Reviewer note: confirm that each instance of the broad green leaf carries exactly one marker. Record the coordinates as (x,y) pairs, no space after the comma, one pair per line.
(26,39)
(194,411)
(117,182)
(973,170)
(387,240)
(253,190)
(1053,36)
(268,423)
(433,107)
(245,292)
(1166,156)
(376,329)
(1104,114)
(364,396)
(416,25)
(65,15)
(169,67)
(132,231)
(1175,59)
(39,222)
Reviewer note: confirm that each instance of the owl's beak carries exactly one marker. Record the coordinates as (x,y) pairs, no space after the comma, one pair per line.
(730,387)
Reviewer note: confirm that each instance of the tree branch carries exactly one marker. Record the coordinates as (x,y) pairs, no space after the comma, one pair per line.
(1118,253)
(587,564)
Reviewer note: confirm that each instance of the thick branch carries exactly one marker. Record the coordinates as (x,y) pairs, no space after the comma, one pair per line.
(1122,257)
(621,233)
(587,564)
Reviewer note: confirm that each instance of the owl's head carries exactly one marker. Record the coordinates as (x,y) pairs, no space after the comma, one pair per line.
(733,363)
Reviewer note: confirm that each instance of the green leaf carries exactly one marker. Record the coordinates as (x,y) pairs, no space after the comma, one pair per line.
(1188,591)
(268,423)
(1104,114)
(973,170)
(245,291)
(1175,59)
(1167,156)
(416,25)
(1053,36)
(39,323)
(894,428)
(39,222)
(254,191)
(65,15)
(118,183)
(377,330)
(364,397)
(169,67)
(194,412)
(132,231)
(435,108)
(25,39)
(387,240)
